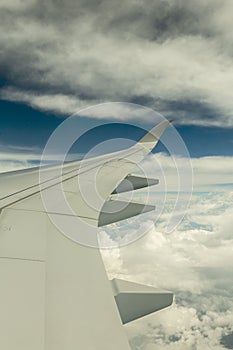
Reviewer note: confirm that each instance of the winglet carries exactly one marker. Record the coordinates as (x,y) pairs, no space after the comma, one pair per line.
(150,140)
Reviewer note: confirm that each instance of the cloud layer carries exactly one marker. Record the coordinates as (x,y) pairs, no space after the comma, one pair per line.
(174,56)
(195,262)
(207,171)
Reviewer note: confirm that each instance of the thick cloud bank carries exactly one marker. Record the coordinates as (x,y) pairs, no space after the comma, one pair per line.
(195,262)
(174,56)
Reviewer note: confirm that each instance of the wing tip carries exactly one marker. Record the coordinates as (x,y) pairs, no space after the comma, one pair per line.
(153,136)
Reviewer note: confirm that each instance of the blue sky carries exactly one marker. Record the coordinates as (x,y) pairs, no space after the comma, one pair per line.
(25,127)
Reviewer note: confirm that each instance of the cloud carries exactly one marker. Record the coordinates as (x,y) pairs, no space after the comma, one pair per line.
(15,158)
(195,263)
(58,103)
(207,171)
(168,55)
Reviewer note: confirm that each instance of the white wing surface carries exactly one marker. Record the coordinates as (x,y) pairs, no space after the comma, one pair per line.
(54,293)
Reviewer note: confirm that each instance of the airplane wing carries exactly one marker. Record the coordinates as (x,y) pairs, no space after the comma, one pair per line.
(54,292)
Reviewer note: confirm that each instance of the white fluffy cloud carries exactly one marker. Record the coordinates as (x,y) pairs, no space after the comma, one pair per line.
(195,262)
(172,170)
(207,171)
(15,158)
(175,56)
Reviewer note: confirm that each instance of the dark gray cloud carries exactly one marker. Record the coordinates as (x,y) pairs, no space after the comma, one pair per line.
(63,55)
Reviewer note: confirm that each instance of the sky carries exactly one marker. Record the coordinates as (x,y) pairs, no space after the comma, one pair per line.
(175,57)
(58,57)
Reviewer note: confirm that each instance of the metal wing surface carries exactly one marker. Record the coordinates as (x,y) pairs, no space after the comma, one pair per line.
(55,293)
